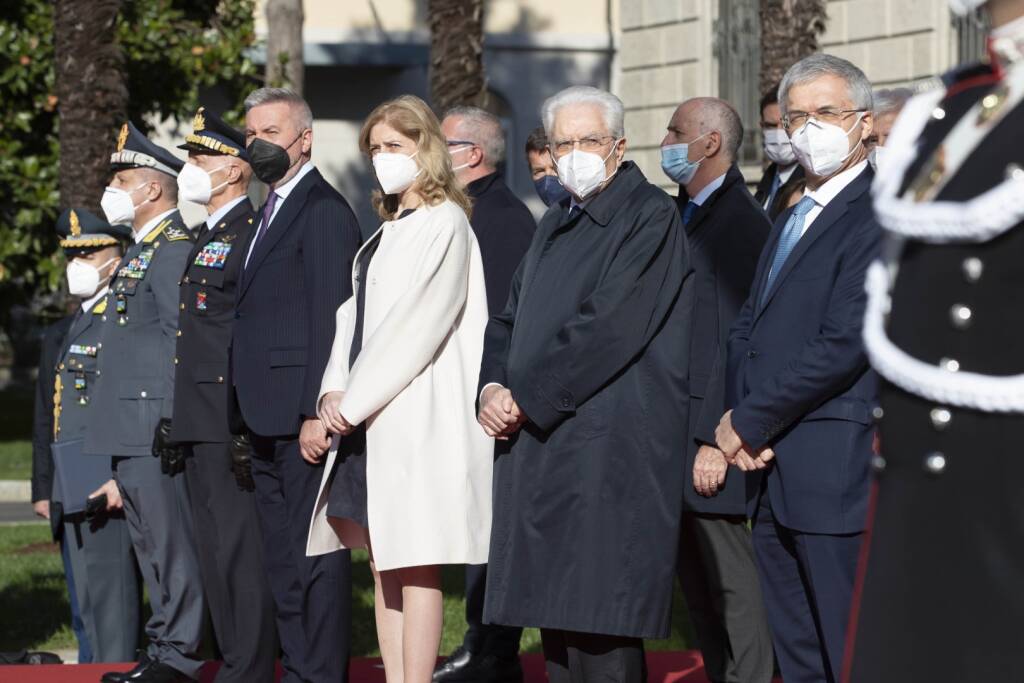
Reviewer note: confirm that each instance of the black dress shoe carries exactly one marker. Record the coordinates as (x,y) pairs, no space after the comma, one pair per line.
(158,672)
(464,666)
(130,675)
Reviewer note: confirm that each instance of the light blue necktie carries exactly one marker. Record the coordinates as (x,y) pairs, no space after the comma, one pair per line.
(790,236)
(689,210)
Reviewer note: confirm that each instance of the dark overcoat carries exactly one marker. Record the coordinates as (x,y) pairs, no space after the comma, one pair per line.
(726,233)
(592,345)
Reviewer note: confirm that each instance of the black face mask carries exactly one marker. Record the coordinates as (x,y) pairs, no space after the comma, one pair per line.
(269,160)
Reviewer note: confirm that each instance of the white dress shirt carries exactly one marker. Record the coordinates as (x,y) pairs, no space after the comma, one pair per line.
(212,221)
(828,191)
(708,189)
(141,233)
(91,301)
(282,194)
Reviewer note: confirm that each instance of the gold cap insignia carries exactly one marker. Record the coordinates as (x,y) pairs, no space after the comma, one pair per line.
(76,227)
(199,122)
(122,137)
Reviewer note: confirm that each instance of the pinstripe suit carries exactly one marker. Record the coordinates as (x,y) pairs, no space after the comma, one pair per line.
(293,283)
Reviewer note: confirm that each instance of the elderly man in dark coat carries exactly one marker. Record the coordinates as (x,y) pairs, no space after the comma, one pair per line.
(584,371)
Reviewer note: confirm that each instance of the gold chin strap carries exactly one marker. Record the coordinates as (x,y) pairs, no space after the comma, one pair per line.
(58,387)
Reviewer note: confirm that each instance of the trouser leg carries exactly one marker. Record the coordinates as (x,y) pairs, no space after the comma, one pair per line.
(71,554)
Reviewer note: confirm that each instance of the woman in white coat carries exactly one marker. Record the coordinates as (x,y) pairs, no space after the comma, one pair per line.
(403,372)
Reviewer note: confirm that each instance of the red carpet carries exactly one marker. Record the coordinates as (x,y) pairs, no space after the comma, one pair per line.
(665,667)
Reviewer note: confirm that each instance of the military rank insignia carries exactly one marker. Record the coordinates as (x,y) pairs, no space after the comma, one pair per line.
(137,267)
(83,350)
(200,301)
(213,255)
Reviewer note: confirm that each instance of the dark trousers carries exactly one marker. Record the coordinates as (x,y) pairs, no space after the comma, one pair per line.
(807,581)
(313,595)
(718,575)
(481,638)
(230,549)
(574,657)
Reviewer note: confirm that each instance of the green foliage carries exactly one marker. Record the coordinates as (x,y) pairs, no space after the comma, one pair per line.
(173,50)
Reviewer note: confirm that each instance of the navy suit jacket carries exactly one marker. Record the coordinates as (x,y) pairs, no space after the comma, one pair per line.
(797,372)
(297,277)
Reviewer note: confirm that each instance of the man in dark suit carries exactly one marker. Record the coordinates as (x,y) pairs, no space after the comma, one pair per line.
(218,467)
(783,173)
(503,227)
(797,367)
(727,231)
(295,276)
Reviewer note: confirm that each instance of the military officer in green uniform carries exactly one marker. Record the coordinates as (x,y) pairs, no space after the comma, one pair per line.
(217,468)
(99,549)
(135,401)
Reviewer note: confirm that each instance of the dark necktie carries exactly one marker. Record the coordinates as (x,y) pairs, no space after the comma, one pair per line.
(268,212)
(790,236)
(574,210)
(776,184)
(689,210)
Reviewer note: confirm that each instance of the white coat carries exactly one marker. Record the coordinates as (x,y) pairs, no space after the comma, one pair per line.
(429,463)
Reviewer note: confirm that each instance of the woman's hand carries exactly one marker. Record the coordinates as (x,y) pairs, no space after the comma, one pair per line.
(330,413)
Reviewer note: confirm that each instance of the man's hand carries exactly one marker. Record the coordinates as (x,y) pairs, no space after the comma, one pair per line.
(749,461)
(499,415)
(171,454)
(709,470)
(113,493)
(729,441)
(42,508)
(241,462)
(313,440)
(329,413)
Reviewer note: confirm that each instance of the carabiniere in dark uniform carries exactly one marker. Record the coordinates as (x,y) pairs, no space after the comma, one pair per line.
(941,598)
(217,469)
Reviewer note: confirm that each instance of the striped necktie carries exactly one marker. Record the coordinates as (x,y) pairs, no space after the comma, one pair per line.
(790,236)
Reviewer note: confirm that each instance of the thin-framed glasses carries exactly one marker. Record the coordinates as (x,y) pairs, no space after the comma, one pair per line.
(795,119)
(591,143)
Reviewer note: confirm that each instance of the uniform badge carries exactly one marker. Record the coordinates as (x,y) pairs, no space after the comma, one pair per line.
(122,309)
(83,350)
(200,301)
(213,255)
(80,386)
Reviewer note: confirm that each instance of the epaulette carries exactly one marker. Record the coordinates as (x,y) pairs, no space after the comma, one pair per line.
(155,232)
(175,234)
(100,307)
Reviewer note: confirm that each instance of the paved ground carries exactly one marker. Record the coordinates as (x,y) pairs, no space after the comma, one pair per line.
(18,513)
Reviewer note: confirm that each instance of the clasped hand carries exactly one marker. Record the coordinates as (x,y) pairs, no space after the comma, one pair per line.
(736,451)
(500,415)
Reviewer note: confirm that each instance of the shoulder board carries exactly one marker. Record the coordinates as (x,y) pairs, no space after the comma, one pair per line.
(155,232)
(100,307)
(174,233)
(965,72)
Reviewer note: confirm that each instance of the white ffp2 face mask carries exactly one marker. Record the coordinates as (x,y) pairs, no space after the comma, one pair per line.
(194,184)
(823,147)
(84,279)
(583,172)
(395,172)
(778,148)
(118,206)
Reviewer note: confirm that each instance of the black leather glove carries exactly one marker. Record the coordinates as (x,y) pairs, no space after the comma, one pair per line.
(241,462)
(171,454)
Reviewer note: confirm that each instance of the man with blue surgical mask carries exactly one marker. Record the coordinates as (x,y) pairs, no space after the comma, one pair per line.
(727,230)
(542,169)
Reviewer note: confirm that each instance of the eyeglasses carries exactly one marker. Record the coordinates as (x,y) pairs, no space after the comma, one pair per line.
(591,143)
(796,119)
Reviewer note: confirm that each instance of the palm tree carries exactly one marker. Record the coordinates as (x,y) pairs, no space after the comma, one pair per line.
(789,32)
(285,66)
(92,97)
(456,53)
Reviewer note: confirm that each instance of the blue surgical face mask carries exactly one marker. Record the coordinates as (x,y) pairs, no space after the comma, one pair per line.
(550,190)
(676,164)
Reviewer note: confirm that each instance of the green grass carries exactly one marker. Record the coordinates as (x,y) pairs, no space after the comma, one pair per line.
(16,459)
(16,406)
(36,614)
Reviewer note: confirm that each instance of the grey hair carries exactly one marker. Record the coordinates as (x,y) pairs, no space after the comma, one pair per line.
(719,116)
(484,129)
(889,100)
(584,94)
(304,115)
(818,65)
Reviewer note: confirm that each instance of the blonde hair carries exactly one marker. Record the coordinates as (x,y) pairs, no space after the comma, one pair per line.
(411,117)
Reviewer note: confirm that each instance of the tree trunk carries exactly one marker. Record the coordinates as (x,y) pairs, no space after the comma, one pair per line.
(285,67)
(789,32)
(91,94)
(456,53)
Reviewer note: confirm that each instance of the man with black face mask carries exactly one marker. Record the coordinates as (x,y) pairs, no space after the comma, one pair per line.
(295,276)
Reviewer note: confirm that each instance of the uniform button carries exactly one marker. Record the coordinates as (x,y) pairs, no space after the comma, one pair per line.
(220,380)
(103,318)
(751,354)
(60,367)
(181,306)
(938,113)
(973,268)
(203,282)
(98,372)
(960,316)
(877,463)
(179,333)
(877,413)
(950,365)
(1015,172)
(941,417)
(565,403)
(175,361)
(186,279)
(142,394)
(935,463)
